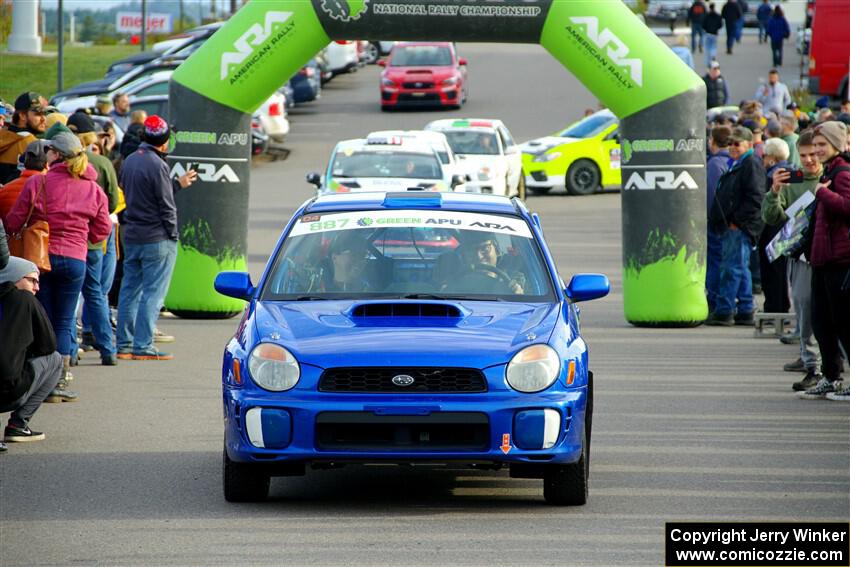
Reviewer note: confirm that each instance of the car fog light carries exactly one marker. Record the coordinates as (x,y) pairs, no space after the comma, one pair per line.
(533,369)
(547,157)
(273,368)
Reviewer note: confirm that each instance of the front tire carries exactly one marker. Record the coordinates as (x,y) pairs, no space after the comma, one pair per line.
(583,178)
(567,485)
(244,482)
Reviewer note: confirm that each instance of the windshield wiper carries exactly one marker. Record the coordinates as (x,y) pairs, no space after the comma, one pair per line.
(310,298)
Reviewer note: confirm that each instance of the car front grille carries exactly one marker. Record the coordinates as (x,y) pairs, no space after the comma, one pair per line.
(379,380)
(418,85)
(428,98)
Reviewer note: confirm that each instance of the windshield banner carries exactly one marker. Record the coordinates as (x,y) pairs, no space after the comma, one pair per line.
(310,224)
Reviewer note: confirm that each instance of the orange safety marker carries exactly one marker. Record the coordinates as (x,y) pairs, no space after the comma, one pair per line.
(506,443)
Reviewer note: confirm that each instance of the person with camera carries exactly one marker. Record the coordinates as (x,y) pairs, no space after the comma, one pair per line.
(789,185)
(830,258)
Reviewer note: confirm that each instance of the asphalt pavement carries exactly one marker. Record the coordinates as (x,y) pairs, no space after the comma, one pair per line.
(690,424)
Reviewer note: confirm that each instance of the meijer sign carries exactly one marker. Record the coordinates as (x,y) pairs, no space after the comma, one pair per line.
(131,22)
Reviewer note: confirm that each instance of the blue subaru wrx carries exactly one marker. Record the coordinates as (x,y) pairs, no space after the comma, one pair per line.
(409,328)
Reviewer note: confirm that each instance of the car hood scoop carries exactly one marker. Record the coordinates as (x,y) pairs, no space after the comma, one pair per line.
(377,333)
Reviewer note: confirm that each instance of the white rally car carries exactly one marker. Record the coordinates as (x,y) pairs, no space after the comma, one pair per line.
(452,164)
(381,164)
(488,152)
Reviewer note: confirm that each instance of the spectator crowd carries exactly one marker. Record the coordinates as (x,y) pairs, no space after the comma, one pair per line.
(763,157)
(108,208)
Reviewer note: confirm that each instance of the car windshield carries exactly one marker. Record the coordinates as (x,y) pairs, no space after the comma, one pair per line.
(385,163)
(413,254)
(589,127)
(421,56)
(473,142)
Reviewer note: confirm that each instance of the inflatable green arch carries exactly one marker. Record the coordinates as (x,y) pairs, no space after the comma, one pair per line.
(660,101)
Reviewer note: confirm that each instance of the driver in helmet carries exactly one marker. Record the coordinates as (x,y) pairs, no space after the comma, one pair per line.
(478,265)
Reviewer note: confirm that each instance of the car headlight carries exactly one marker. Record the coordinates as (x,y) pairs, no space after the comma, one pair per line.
(450,81)
(273,367)
(547,157)
(387,82)
(484,174)
(533,369)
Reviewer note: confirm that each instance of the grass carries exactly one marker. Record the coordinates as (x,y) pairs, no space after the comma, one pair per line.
(23,73)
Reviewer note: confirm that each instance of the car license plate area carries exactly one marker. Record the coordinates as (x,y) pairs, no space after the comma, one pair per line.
(362,431)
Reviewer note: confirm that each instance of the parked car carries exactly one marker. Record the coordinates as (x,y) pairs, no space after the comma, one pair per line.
(364,343)
(306,84)
(583,158)
(489,153)
(153,84)
(829,58)
(382,164)
(423,74)
(196,36)
(342,56)
(112,85)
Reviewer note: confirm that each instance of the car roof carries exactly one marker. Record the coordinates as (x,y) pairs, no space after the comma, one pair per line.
(407,145)
(418,43)
(431,136)
(465,124)
(467,202)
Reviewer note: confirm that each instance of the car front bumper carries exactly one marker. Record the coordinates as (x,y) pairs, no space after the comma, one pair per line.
(413,97)
(495,427)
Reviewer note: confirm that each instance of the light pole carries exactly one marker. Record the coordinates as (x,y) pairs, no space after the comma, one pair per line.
(144,24)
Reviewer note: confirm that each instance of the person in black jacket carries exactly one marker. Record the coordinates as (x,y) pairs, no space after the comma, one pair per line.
(736,216)
(731,13)
(711,25)
(30,367)
(716,89)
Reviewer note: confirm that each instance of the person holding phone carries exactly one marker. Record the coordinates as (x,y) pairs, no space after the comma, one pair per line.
(789,185)
(150,241)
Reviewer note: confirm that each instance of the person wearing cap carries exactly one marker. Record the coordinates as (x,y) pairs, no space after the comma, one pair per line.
(120,113)
(736,217)
(774,95)
(100,266)
(35,163)
(149,239)
(830,257)
(30,367)
(27,124)
(103,105)
(716,89)
(711,26)
(3,114)
(75,208)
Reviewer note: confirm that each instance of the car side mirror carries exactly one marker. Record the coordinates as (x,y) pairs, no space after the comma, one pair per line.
(462,61)
(382,63)
(458,180)
(584,287)
(235,284)
(314,178)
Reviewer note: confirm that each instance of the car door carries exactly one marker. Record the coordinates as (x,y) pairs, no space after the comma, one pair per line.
(610,156)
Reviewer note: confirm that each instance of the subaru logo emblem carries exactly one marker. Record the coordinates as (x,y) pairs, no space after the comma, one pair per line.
(418,84)
(403,380)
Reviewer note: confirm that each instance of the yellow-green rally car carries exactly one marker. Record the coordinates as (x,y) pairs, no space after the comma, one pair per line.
(584,158)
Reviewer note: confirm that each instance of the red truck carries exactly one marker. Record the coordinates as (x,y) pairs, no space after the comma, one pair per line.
(829,55)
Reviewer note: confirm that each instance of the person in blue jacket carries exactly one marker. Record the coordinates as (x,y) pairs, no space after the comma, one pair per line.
(763,16)
(778,31)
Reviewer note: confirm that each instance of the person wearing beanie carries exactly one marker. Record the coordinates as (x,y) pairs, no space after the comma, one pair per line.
(53,118)
(830,258)
(30,367)
(149,239)
(74,206)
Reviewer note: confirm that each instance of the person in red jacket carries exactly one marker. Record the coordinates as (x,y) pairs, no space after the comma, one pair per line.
(35,163)
(830,257)
(74,206)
